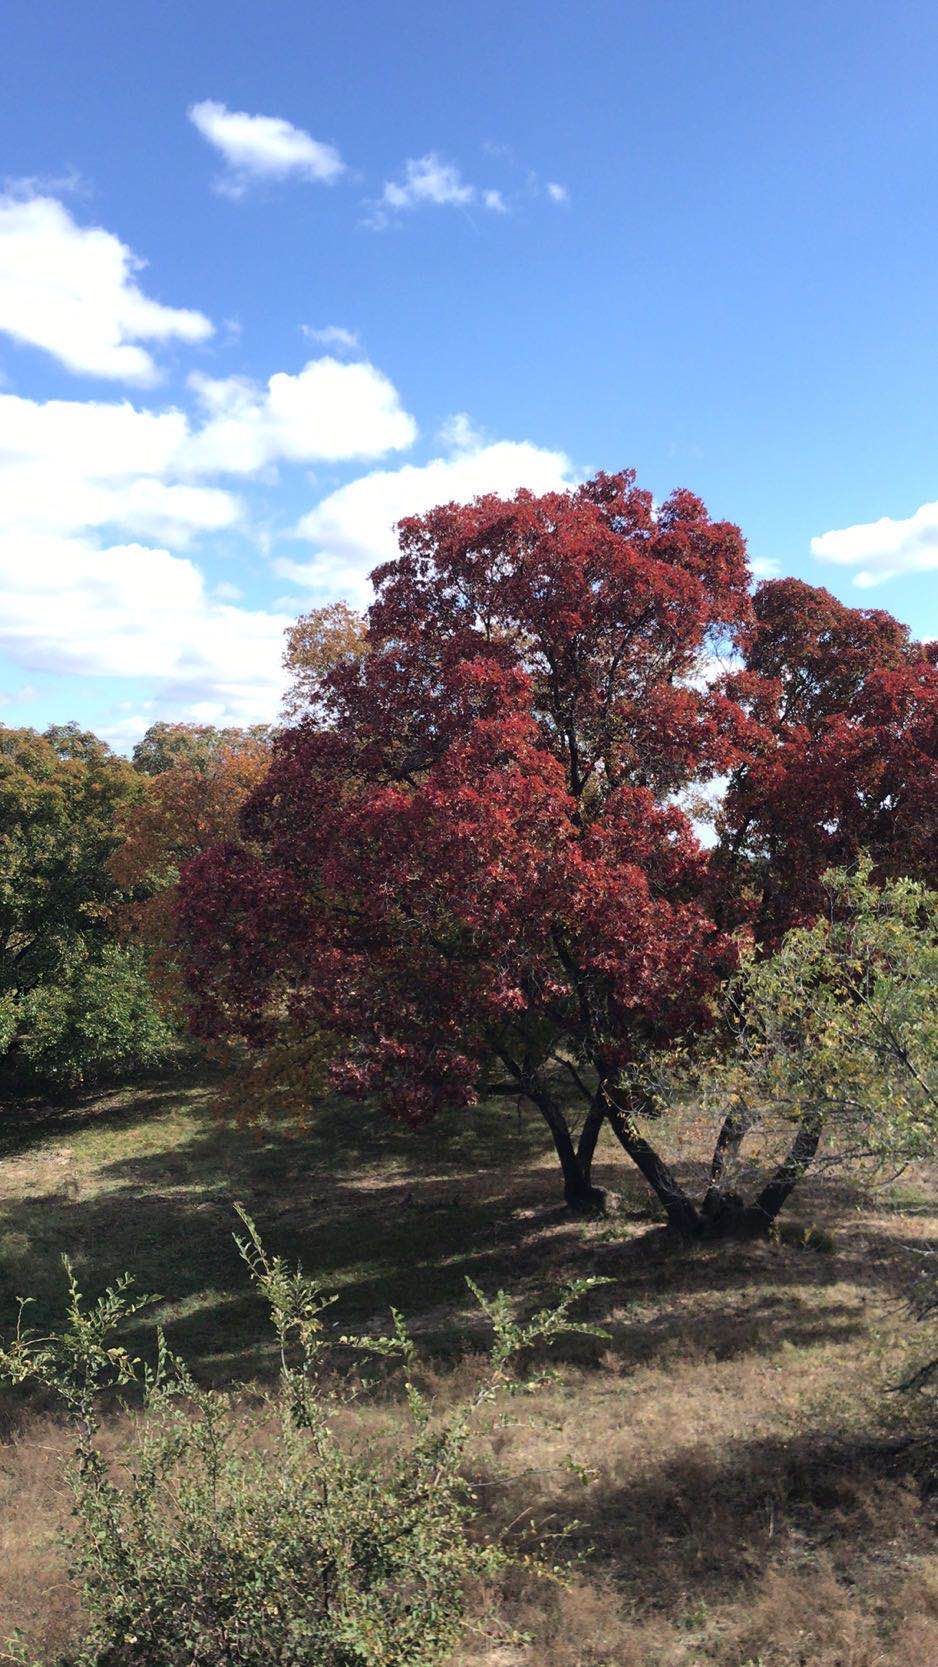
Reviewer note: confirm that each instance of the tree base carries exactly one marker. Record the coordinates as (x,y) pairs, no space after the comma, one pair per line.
(585,1200)
(727,1216)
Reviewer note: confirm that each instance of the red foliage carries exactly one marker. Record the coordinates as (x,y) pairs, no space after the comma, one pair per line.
(844,758)
(470,860)
(467,860)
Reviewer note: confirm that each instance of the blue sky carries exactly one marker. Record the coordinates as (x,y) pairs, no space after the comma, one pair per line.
(474,246)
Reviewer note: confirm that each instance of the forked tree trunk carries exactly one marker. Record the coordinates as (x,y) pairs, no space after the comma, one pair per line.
(721,1202)
(722,1211)
(578,1191)
(589,1134)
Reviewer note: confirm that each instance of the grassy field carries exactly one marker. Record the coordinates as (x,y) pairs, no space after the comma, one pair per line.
(741,1479)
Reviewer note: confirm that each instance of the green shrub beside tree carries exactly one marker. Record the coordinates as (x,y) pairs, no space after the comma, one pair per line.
(835,1035)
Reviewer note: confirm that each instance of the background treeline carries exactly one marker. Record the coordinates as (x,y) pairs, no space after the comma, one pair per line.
(90,846)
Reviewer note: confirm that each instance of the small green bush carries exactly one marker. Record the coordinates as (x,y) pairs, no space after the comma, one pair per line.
(209,1551)
(99,1020)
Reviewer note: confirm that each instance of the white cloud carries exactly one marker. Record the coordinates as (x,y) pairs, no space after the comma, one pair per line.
(556,192)
(764,567)
(69,466)
(352,528)
(97,498)
(884,549)
(327,412)
(428,181)
(70,290)
(135,611)
(122,734)
(263,148)
(459,433)
(432,182)
(108,439)
(333,335)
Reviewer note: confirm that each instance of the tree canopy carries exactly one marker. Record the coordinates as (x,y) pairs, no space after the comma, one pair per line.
(466,870)
(72,1003)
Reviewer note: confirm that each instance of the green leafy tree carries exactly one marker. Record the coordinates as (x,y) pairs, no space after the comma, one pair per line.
(837,1035)
(198,746)
(73,1002)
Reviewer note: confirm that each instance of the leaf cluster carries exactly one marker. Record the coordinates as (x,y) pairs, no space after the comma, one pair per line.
(840,1023)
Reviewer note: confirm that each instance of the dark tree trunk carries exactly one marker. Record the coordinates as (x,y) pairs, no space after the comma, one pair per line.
(791,1169)
(679,1209)
(721,1202)
(580,1195)
(589,1134)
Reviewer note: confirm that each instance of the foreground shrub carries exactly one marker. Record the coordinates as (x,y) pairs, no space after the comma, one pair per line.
(307,1551)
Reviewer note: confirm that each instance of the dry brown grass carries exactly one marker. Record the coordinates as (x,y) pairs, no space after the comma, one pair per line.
(736,1483)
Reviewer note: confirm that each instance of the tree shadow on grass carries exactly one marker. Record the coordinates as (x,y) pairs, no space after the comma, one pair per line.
(700,1523)
(388,1216)
(28,1120)
(408,1243)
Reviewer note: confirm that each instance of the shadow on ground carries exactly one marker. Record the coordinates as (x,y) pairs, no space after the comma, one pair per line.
(386,1217)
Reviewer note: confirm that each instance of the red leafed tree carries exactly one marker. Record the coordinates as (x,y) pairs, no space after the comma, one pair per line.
(467,870)
(842,754)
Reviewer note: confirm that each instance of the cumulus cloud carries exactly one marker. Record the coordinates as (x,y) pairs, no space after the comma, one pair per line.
(75,465)
(98,498)
(131,610)
(263,148)
(72,465)
(556,192)
(884,549)
(353,528)
(330,410)
(70,290)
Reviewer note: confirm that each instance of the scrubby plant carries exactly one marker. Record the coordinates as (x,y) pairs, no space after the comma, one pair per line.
(211,1550)
(834,1036)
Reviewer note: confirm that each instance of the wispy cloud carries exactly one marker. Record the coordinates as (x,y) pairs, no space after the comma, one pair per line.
(334,336)
(431,181)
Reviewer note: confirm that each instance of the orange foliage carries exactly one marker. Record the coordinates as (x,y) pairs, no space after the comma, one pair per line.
(316,643)
(186,809)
